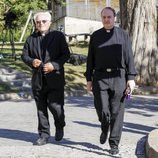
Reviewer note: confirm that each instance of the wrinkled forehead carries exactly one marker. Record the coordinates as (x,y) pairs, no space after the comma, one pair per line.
(42,16)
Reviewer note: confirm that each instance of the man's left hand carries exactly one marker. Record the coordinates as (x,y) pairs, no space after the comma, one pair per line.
(47,68)
(131,85)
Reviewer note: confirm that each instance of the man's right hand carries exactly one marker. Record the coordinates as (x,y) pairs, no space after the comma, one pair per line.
(36,63)
(89,86)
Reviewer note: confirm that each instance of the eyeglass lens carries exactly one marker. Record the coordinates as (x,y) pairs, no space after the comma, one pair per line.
(42,21)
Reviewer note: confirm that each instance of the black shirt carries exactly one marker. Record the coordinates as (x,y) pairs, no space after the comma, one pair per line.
(106,51)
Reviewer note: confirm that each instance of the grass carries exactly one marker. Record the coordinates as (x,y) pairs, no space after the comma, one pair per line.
(74,75)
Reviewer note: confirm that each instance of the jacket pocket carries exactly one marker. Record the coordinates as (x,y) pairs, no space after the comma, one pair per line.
(55,79)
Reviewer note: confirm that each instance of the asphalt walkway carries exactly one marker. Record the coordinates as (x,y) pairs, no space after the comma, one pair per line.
(18,129)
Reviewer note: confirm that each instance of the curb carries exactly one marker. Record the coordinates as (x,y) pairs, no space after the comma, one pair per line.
(29,95)
(73,92)
(152,144)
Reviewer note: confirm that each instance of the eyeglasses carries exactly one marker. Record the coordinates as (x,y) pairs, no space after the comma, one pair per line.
(42,21)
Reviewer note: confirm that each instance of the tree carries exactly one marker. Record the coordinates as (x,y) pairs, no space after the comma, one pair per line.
(139,18)
(21,8)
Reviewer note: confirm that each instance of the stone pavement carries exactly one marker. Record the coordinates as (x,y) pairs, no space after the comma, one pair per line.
(18,129)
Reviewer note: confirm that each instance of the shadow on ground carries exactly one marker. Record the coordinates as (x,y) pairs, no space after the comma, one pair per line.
(66,142)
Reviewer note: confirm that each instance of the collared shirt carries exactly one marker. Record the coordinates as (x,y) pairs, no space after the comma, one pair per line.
(110,50)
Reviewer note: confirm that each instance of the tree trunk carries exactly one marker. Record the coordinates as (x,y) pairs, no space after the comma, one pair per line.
(139,18)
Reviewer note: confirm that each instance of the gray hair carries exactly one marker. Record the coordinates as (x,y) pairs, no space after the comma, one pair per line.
(46,14)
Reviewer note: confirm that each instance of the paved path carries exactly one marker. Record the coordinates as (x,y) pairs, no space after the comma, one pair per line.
(18,130)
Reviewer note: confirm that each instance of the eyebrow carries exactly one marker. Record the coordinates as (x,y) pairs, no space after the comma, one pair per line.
(109,16)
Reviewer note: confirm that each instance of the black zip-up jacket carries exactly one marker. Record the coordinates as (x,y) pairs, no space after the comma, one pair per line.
(51,48)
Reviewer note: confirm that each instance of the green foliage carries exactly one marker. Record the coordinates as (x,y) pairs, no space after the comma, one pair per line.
(21,8)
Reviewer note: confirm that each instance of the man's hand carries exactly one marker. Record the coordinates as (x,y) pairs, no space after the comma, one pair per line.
(89,86)
(130,85)
(47,68)
(36,63)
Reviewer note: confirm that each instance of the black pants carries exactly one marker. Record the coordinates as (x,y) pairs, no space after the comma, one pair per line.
(109,103)
(52,99)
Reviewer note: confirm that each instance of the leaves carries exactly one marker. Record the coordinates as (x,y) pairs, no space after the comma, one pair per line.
(21,8)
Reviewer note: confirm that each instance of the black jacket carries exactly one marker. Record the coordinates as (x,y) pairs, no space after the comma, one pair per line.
(52,48)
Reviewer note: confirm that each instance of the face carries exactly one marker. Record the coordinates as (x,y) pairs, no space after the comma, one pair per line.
(42,23)
(108,18)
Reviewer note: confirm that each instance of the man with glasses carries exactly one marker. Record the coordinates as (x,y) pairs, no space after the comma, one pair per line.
(110,75)
(46,52)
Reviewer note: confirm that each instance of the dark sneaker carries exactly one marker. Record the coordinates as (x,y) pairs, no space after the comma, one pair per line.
(41,141)
(114,151)
(103,137)
(59,134)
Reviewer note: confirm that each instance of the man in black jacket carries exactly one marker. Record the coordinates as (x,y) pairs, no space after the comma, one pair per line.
(46,51)
(110,75)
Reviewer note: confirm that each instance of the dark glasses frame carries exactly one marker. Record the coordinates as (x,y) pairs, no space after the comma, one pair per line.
(41,21)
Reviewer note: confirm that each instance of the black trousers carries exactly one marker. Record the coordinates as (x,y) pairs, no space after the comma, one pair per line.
(109,103)
(52,99)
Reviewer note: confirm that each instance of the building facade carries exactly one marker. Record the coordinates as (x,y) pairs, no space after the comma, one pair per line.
(79,16)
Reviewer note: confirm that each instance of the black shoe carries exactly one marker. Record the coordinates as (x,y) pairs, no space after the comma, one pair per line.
(103,137)
(59,134)
(114,151)
(41,141)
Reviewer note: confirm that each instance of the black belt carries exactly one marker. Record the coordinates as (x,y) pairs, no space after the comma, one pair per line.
(108,69)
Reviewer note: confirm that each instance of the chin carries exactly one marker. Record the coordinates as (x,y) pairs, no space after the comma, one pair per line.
(108,27)
(42,31)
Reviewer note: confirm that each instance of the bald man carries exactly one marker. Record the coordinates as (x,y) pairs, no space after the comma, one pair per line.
(110,75)
(45,52)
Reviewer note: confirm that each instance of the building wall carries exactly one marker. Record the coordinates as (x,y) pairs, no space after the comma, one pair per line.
(87,9)
(77,28)
(82,16)
(76,25)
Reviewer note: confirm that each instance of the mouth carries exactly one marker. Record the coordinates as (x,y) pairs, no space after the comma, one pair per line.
(107,23)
